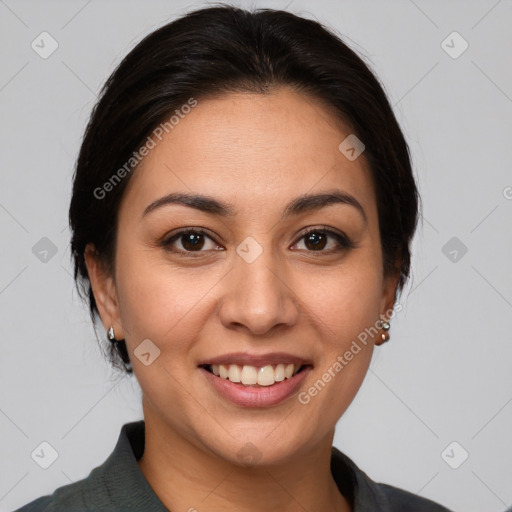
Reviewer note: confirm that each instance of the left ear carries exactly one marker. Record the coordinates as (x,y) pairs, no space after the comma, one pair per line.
(389,288)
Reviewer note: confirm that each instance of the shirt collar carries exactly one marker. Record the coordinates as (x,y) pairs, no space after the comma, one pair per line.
(128,487)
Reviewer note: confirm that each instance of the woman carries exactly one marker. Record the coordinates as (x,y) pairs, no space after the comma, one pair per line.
(242,211)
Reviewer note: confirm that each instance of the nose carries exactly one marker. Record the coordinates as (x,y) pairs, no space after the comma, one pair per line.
(258,296)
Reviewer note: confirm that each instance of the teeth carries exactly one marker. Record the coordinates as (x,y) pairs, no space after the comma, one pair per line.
(266,376)
(234,373)
(224,372)
(279,373)
(288,371)
(251,375)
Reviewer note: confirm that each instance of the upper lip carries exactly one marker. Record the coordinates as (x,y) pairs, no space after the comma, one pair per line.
(244,358)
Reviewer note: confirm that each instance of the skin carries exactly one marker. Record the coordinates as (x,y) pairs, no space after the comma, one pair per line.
(256,152)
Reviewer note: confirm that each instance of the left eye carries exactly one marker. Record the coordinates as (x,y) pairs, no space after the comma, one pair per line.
(317,239)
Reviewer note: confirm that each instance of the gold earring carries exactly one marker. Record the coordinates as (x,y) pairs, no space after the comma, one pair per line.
(385,335)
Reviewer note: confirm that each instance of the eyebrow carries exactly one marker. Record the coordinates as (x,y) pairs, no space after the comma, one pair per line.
(301,204)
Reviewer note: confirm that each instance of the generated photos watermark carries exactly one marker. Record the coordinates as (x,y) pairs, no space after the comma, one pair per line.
(342,360)
(137,156)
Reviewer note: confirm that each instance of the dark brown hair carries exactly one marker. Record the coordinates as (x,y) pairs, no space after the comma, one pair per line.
(214,51)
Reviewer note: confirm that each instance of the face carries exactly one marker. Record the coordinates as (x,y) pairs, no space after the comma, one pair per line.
(260,284)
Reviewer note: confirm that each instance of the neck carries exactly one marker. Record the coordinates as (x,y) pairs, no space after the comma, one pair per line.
(185,477)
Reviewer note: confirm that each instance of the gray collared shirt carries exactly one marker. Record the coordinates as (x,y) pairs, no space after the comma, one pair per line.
(118,485)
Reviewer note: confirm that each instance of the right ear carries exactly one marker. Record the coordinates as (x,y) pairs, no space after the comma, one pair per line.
(104,290)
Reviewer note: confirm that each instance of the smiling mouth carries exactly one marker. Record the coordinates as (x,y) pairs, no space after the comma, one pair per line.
(247,375)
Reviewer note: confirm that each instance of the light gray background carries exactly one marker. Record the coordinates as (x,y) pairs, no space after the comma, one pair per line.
(446,373)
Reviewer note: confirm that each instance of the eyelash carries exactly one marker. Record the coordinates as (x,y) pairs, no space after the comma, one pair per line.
(343,241)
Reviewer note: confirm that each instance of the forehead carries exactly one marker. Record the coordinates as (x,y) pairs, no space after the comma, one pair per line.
(254,150)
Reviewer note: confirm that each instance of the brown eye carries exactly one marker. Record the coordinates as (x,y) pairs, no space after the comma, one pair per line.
(316,239)
(191,240)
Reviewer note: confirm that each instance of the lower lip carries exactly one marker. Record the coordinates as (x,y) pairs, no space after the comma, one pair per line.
(256,396)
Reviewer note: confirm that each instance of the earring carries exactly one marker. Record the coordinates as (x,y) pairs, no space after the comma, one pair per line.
(385,335)
(111,335)
(120,347)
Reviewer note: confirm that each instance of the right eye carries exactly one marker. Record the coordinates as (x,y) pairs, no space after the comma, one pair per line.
(190,239)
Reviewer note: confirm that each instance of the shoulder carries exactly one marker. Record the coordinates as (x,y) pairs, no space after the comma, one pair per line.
(115,485)
(366,495)
(70,498)
(89,493)
(39,505)
(405,501)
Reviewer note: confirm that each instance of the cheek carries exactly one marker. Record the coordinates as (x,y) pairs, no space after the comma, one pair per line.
(161,301)
(158,303)
(346,308)
(346,299)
